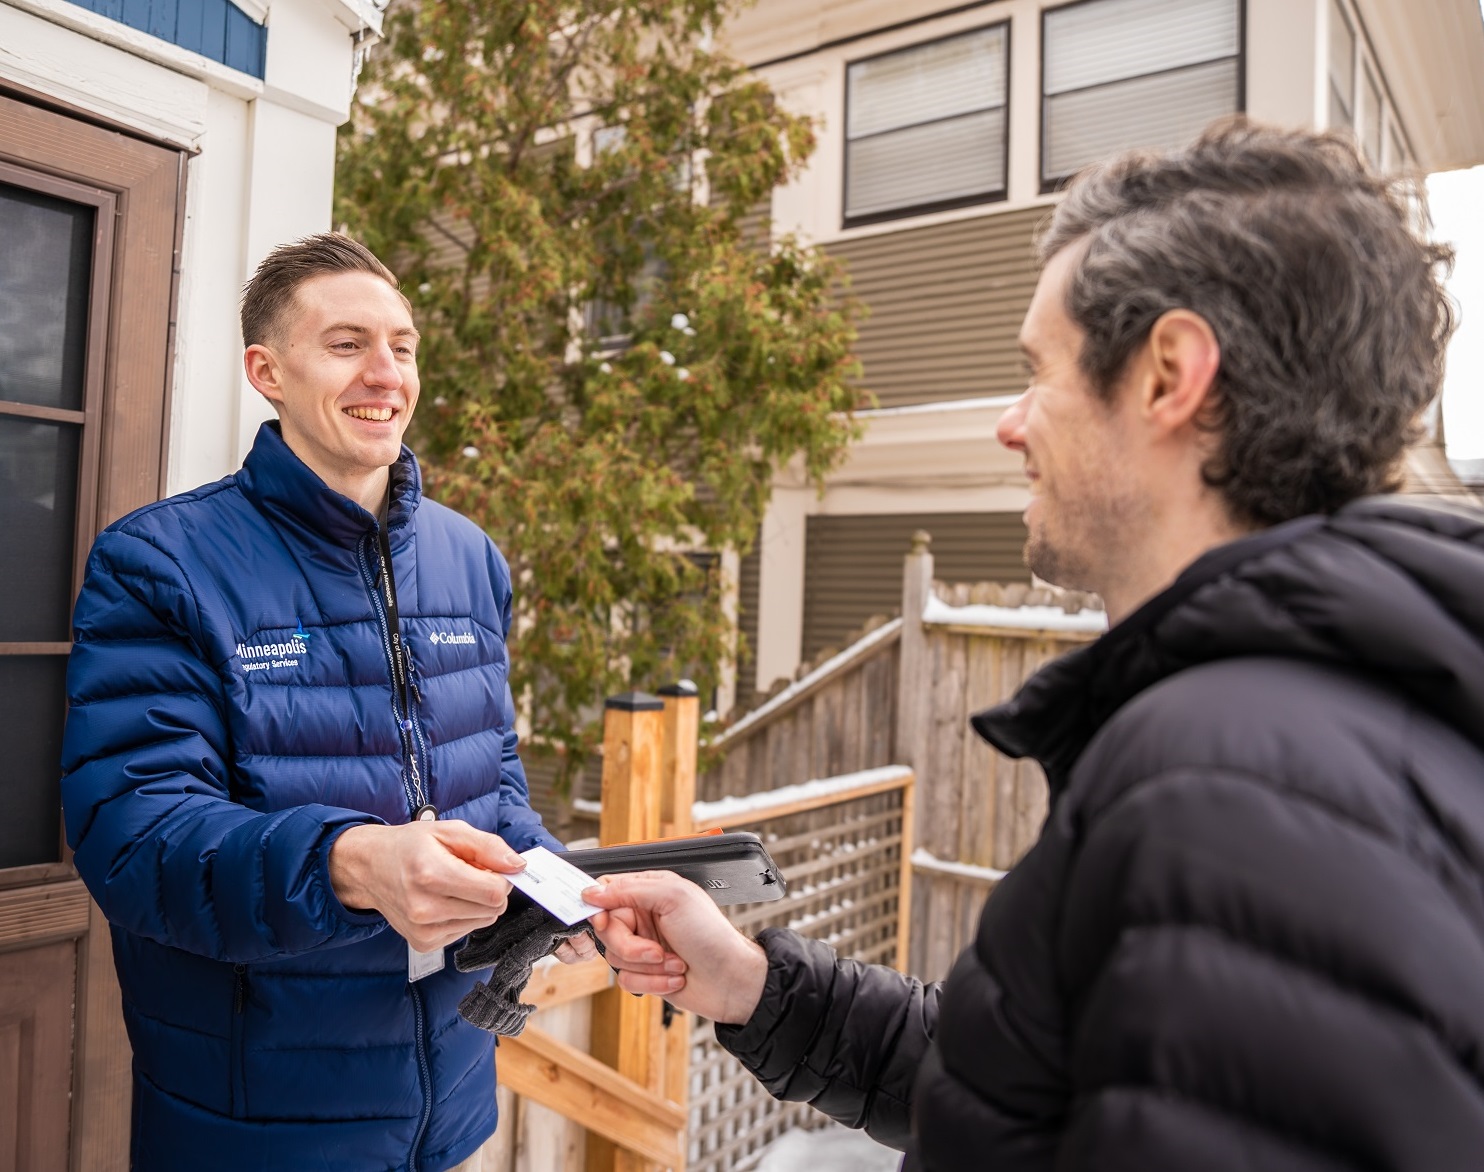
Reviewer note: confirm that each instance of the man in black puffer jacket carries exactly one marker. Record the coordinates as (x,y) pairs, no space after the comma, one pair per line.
(1251,935)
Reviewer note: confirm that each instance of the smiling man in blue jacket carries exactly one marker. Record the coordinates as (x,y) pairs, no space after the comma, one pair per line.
(290,763)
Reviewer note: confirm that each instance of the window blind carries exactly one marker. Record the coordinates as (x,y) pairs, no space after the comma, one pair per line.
(926,125)
(939,80)
(1096,43)
(1134,73)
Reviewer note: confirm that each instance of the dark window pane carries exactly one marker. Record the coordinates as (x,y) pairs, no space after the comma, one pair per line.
(38,516)
(46,255)
(32,689)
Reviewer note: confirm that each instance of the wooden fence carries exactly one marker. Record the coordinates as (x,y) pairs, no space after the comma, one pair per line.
(887,868)
(839,843)
(902,694)
(610,1082)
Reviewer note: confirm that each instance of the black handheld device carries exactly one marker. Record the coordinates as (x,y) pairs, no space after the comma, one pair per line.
(731,868)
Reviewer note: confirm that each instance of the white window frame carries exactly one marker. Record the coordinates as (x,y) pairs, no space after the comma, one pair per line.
(995,195)
(1332,83)
(1393,146)
(1052,183)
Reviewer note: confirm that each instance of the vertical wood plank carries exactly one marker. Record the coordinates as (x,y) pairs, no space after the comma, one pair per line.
(625,1029)
(904,881)
(546,1139)
(677,798)
(499,1149)
(101,1139)
(940,774)
(1012,661)
(681,730)
(914,666)
(976,786)
(37,986)
(633,731)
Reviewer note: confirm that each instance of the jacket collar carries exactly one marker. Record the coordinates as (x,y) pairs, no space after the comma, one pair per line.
(291,492)
(1060,708)
(1387,587)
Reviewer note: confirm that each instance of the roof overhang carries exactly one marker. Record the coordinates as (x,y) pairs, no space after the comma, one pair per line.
(1432,55)
(357,15)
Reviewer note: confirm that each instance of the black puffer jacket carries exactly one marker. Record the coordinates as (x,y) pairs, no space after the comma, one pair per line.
(1251,936)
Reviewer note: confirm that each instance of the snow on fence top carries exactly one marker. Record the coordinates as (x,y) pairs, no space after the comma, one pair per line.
(924,860)
(756,805)
(937,613)
(732,809)
(804,683)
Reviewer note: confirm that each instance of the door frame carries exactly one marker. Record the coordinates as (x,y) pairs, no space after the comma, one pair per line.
(127,412)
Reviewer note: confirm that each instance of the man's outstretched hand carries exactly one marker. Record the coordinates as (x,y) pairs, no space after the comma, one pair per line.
(664,935)
(433,881)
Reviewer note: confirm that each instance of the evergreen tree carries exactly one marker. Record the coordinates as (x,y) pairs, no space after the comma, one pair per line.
(611,368)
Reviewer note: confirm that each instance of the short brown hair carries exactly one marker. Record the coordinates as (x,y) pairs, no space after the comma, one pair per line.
(270,292)
(1310,269)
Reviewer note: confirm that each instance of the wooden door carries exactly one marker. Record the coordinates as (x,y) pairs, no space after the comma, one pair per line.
(89,221)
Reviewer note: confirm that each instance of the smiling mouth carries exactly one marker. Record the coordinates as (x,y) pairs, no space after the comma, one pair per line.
(374,414)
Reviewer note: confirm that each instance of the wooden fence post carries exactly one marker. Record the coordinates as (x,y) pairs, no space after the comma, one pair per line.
(915,667)
(626,1029)
(914,722)
(682,725)
(677,800)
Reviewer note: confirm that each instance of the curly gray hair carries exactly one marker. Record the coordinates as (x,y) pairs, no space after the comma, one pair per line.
(1327,302)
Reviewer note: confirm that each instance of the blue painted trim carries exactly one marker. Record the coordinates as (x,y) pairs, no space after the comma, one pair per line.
(216,29)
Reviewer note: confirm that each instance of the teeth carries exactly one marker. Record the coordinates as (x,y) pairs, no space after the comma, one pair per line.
(377,414)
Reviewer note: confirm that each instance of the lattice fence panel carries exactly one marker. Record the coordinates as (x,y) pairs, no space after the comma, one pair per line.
(843,866)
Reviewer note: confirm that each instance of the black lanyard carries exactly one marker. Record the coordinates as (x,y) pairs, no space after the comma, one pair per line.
(401,676)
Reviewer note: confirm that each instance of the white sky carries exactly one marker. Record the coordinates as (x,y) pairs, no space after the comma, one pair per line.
(1457,198)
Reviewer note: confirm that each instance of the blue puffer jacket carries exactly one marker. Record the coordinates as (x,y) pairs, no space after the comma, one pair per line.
(232,711)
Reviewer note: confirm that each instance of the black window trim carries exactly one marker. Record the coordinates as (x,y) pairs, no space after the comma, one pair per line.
(1050,186)
(998,195)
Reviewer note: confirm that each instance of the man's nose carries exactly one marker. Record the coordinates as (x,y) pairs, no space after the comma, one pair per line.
(1010,430)
(381,367)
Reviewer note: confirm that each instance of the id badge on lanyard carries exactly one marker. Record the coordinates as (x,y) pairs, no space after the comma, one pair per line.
(424,964)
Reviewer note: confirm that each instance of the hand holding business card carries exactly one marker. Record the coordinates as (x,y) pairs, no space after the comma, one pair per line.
(555,884)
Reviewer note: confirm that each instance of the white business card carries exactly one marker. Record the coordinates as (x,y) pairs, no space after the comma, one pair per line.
(555,884)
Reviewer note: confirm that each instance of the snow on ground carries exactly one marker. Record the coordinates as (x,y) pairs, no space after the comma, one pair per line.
(834,1149)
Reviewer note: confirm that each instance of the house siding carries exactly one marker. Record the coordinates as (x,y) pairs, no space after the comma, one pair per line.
(946,303)
(853,564)
(749,584)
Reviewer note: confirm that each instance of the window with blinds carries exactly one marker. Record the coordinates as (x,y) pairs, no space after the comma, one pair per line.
(1119,74)
(1341,69)
(925,127)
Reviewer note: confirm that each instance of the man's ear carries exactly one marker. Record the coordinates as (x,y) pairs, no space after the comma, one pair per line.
(1182,357)
(263,371)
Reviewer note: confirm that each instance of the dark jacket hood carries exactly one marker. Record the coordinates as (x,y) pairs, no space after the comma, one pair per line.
(1387,586)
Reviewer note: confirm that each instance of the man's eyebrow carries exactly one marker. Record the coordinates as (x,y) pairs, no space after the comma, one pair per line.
(346,327)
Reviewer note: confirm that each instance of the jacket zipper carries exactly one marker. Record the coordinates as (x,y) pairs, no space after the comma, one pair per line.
(424,1073)
(415,706)
(237,1083)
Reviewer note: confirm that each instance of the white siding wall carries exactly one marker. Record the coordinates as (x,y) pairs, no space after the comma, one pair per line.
(261,172)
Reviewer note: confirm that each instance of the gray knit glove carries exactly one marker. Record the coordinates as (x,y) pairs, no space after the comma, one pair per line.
(513,944)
